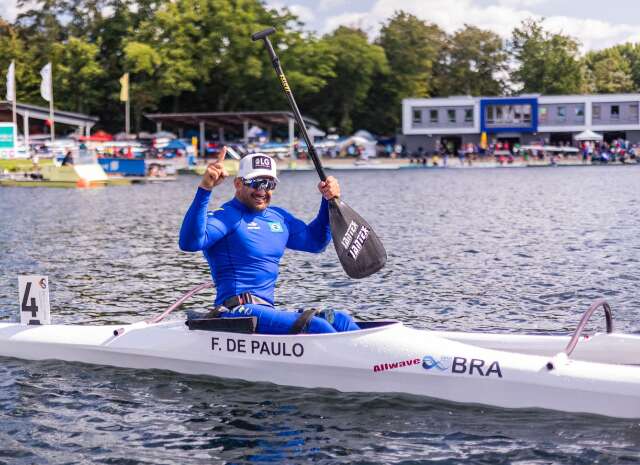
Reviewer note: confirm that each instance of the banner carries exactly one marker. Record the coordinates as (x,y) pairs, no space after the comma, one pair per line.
(11,82)
(124,90)
(45,85)
(7,140)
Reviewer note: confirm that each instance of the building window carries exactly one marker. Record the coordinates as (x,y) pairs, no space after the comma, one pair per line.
(562,113)
(633,112)
(580,112)
(417,116)
(490,118)
(615,111)
(468,115)
(499,114)
(542,114)
(451,116)
(433,116)
(596,112)
(526,113)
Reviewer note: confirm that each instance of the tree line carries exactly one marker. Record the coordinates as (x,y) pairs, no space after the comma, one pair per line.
(196,55)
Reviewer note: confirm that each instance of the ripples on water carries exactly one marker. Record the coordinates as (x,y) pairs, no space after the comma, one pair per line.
(507,250)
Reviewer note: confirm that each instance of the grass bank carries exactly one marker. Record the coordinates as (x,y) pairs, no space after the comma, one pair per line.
(21,164)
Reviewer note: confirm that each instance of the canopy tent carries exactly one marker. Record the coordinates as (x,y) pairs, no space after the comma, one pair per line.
(256,131)
(314,132)
(588,135)
(164,135)
(98,136)
(175,144)
(368,145)
(365,135)
(124,136)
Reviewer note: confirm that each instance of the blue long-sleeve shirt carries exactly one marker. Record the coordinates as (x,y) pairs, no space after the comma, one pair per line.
(244,247)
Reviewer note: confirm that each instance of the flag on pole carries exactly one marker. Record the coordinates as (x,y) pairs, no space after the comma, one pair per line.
(45,85)
(124,90)
(11,82)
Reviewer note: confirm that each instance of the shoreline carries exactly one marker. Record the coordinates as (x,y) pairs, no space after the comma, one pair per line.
(404,163)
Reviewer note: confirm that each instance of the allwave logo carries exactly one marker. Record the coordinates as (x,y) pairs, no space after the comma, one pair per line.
(394,365)
(253,225)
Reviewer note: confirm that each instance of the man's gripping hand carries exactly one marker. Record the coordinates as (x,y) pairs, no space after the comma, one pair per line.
(215,172)
(329,188)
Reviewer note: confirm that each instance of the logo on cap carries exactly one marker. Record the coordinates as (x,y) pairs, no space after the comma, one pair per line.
(261,163)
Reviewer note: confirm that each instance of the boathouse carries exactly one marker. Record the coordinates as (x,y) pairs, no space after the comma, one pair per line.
(524,119)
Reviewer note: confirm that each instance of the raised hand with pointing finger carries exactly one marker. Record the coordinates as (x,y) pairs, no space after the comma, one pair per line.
(215,172)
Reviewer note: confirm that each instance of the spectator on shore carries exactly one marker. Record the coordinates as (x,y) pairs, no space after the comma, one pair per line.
(68,159)
(388,150)
(398,150)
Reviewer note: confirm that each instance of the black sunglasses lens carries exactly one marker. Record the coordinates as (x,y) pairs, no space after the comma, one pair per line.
(261,184)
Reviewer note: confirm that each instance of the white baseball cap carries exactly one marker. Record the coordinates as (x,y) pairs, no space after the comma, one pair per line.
(256,165)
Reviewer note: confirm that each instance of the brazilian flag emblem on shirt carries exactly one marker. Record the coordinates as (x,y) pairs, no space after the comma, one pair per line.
(276,227)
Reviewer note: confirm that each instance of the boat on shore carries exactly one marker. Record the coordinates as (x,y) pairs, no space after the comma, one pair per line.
(597,374)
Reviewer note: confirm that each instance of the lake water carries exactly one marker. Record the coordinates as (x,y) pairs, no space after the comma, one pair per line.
(510,250)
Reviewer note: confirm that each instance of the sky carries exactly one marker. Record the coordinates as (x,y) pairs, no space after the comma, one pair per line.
(596,24)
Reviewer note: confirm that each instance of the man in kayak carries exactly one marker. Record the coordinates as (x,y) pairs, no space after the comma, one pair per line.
(245,238)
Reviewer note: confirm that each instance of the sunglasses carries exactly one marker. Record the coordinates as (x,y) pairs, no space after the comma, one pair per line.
(260,184)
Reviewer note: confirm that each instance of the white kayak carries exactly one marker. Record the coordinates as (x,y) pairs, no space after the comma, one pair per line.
(597,374)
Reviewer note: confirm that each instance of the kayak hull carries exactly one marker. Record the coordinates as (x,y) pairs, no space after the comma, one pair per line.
(389,358)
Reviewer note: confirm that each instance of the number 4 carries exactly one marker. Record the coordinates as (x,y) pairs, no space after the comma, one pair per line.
(33,308)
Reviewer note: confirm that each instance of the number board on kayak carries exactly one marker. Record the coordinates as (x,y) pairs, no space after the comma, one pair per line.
(34,300)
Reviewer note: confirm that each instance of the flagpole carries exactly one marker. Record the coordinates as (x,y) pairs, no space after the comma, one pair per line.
(124,97)
(126,118)
(14,108)
(53,128)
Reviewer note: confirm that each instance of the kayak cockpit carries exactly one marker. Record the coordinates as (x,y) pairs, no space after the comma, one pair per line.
(608,347)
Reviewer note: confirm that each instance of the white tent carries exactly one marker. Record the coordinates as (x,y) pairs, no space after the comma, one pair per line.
(365,135)
(368,145)
(588,135)
(254,131)
(315,132)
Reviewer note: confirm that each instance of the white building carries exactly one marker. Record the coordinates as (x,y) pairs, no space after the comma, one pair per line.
(524,119)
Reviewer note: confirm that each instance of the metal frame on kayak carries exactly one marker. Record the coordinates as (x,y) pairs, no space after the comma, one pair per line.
(597,374)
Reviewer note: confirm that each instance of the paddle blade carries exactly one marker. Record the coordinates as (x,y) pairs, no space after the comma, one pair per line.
(359,249)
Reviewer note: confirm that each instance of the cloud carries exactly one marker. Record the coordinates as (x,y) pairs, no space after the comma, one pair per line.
(325,5)
(8,10)
(520,3)
(501,18)
(360,20)
(303,13)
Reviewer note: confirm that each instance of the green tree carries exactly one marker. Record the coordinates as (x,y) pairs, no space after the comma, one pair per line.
(413,49)
(76,69)
(41,25)
(475,65)
(545,62)
(143,63)
(357,63)
(610,72)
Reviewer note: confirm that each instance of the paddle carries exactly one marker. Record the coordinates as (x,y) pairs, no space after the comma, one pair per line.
(359,249)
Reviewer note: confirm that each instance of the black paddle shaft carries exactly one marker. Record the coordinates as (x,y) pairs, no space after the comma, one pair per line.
(264,35)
